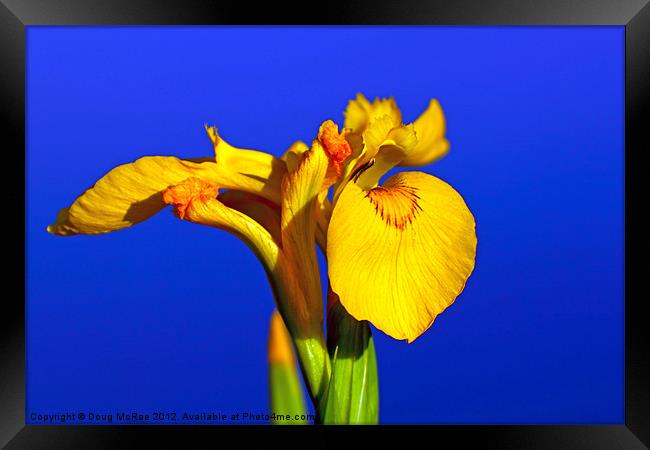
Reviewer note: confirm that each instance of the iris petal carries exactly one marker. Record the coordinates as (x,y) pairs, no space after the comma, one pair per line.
(128,194)
(257,208)
(194,200)
(430,132)
(360,112)
(400,254)
(131,193)
(300,210)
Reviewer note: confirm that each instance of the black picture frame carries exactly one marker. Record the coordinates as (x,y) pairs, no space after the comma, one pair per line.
(634,15)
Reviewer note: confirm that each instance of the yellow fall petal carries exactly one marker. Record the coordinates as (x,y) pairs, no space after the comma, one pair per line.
(430,131)
(127,195)
(131,193)
(401,253)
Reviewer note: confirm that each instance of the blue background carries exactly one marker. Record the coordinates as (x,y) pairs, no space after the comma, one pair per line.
(171,316)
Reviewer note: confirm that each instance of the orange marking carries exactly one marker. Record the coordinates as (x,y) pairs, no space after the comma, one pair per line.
(191,190)
(337,148)
(396,205)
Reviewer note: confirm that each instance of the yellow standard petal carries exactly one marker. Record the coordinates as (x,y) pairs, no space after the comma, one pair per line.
(360,112)
(127,195)
(385,147)
(385,144)
(430,132)
(400,254)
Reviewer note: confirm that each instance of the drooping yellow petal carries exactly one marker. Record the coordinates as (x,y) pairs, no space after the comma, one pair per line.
(430,131)
(248,170)
(257,208)
(360,112)
(131,193)
(401,253)
(194,199)
(127,195)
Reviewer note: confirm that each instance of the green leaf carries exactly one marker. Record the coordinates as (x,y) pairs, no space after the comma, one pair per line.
(353,393)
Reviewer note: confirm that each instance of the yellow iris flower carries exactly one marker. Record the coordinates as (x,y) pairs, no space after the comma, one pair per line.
(398,254)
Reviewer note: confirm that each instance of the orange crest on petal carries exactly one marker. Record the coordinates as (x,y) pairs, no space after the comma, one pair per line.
(192,189)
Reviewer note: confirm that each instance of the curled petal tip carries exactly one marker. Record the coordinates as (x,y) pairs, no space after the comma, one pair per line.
(60,227)
(212,133)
